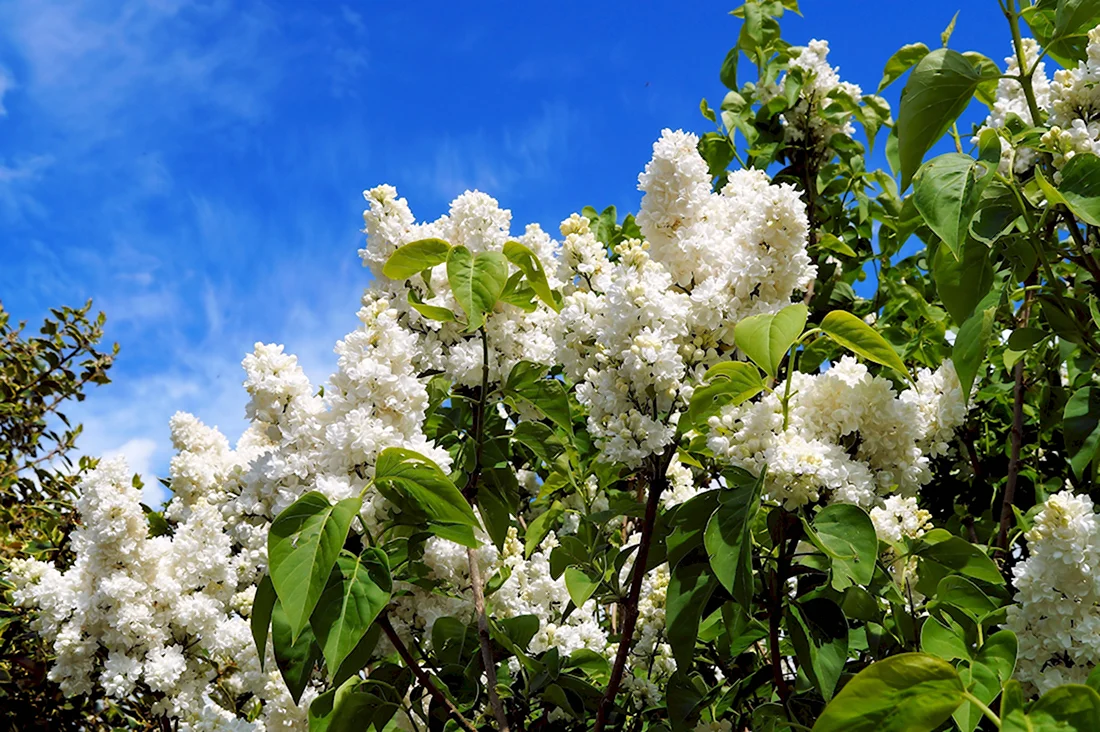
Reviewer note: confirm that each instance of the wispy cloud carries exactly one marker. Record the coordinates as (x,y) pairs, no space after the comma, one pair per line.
(17,179)
(6,84)
(498,160)
(86,62)
(132,170)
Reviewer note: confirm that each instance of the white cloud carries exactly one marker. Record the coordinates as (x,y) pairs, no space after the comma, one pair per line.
(121,92)
(89,61)
(6,85)
(138,453)
(16,180)
(499,160)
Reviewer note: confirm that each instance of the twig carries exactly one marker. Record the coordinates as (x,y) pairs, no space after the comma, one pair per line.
(1080,245)
(657,483)
(775,613)
(486,642)
(475,572)
(1017,435)
(421,675)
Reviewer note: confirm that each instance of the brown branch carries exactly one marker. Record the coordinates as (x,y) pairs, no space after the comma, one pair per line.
(775,611)
(421,675)
(475,572)
(486,642)
(1018,391)
(657,483)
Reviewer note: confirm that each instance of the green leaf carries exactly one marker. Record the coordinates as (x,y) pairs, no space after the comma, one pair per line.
(357,705)
(415,257)
(766,338)
(295,656)
(302,546)
(526,382)
(359,657)
(517,292)
(728,539)
(526,261)
(519,630)
(819,633)
(909,692)
(1075,705)
(1093,681)
(1022,339)
(1080,187)
(950,29)
(903,59)
(707,111)
(1068,317)
(689,588)
(358,590)
(431,312)
(540,438)
(958,555)
(999,654)
(947,190)
(729,383)
(960,593)
(962,282)
(971,346)
(858,337)
(832,243)
(592,663)
(262,605)
(497,497)
(1062,26)
(715,148)
(579,585)
(1082,428)
(944,638)
(453,641)
(540,527)
(477,282)
(1012,699)
(728,73)
(847,535)
(980,681)
(939,89)
(992,666)
(421,481)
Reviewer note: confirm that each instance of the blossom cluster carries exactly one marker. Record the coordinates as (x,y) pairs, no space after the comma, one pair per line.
(1075,106)
(849,436)
(1056,609)
(477,222)
(169,614)
(635,330)
(816,117)
(1070,103)
(1011,100)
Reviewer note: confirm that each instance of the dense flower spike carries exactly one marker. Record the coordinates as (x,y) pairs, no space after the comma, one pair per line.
(815,118)
(1075,106)
(1057,605)
(478,223)
(736,253)
(851,438)
(1011,101)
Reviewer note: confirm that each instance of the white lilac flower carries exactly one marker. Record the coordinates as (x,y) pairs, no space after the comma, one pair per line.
(849,437)
(1075,106)
(1011,101)
(1056,609)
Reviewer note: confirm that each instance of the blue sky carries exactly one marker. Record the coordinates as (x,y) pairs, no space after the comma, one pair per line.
(197,167)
